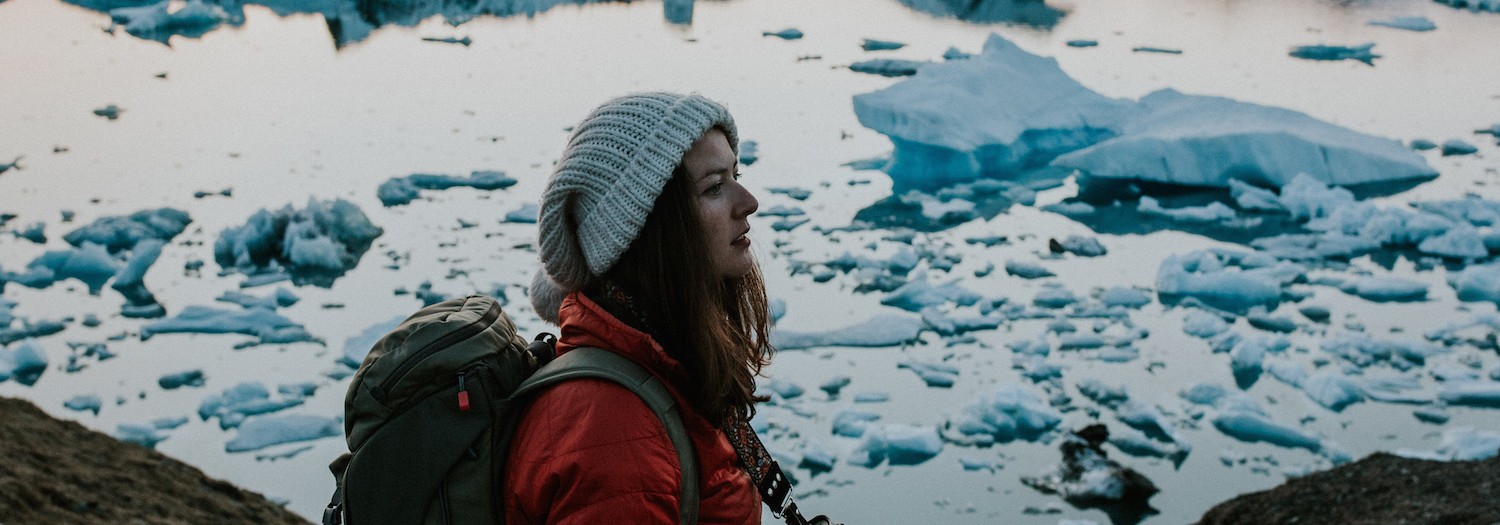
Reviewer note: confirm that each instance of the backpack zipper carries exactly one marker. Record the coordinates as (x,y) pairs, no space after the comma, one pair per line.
(467,331)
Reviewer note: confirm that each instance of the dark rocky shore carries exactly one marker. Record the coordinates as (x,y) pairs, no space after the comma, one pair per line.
(54,471)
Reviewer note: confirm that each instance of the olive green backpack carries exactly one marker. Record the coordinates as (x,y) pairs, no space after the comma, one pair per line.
(430,413)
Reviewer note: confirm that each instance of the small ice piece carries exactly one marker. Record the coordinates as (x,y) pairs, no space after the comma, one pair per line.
(112,111)
(785,389)
(1195,140)
(937,375)
(84,402)
(1208,394)
(1315,313)
(816,457)
(748,152)
(1333,390)
(180,379)
(1434,415)
(1110,396)
(785,34)
(1455,147)
(267,325)
(1160,50)
(953,53)
(1083,246)
(36,233)
(397,191)
(1054,297)
(782,211)
(261,432)
(835,384)
(1026,269)
(1278,324)
(1070,208)
(316,244)
(1137,443)
(919,293)
(1252,197)
(143,435)
(1212,212)
(169,423)
(1079,341)
(878,331)
(1198,323)
(1409,23)
(90,263)
(1087,477)
(159,22)
(871,44)
(1387,289)
(526,214)
(1149,418)
(1287,371)
(1423,144)
(281,298)
(852,423)
(1471,394)
(963,135)
(1460,242)
(1363,53)
(1478,283)
(888,67)
(1246,423)
(303,389)
(900,444)
(870,396)
(1082,43)
(1307,197)
(25,362)
(972,464)
(778,309)
(14,164)
(800,194)
(1125,296)
(1005,414)
(465,41)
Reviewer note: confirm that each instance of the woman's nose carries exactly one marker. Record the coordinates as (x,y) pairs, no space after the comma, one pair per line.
(747,203)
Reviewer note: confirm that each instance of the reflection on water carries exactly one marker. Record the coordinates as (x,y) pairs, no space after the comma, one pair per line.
(1034,13)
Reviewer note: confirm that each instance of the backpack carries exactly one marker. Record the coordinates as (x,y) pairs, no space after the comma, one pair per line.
(430,414)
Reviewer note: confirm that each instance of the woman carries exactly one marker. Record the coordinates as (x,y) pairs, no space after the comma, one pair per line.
(644,252)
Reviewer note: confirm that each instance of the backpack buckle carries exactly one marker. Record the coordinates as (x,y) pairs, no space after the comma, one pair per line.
(333,514)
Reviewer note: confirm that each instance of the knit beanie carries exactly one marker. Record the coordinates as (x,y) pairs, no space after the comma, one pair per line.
(613,168)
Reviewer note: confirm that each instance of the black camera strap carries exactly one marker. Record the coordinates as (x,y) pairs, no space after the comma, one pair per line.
(775,489)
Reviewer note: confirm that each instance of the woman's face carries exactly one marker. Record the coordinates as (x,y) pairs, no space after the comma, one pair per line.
(724,206)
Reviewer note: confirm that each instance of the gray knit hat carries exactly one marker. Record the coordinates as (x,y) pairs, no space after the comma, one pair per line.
(615,165)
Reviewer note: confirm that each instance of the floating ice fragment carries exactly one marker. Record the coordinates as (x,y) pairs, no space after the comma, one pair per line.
(1332,390)
(90,263)
(1386,288)
(972,465)
(934,374)
(1434,415)
(1070,208)
(402,190)
(159,22)
(919,293)
(871,397)
(1472,394)
(1363,53)
(881,330)
(1161,50)
(1054,297)
(1082,246)
(1125,296)
(871,44)
(265,324)
(25,362)
(316,244)
(1478,283)
(852,423)
(1456,147)
(1202,324)
(1213,212)
(35,233)
(888,67)
(1409,23)
(180,379)
(112,111)
(84,402)
(835,384)
(1026,269)
(784,34)
(785,389)
(795,193)
(1082,43)
(900,444)
(465,41)
(526,214)
(1005,414)
(261,432)
(143,435)
(1460,444)
(1204,275)
(281,298)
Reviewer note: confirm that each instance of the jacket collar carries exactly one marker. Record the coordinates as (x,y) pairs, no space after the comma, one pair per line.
(584,322)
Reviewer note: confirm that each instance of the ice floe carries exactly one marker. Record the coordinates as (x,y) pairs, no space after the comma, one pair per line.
(25,362)
(881,330)
(1363,53)
(1409,23)
(1005,414)
(266,325)
(264,431)
(1225,279)
(397,191)
(898,444)
(162,20)
(315,244)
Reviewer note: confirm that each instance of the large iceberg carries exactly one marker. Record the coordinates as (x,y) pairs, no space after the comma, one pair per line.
(118,233)
(315,244)
(997,113)
(1207,141)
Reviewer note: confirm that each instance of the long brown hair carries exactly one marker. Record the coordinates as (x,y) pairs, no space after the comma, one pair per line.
(717,328)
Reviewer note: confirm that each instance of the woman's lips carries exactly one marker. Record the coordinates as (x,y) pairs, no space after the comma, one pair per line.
(741,241)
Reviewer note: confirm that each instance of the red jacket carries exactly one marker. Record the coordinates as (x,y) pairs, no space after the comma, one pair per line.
(589,451)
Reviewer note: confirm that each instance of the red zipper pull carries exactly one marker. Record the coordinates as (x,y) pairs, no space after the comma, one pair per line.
(463,395)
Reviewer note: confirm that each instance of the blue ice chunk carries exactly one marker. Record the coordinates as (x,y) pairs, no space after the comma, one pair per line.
(785,389)
(1423,144)
(1387,288)
(953,53)
(1250,197)
(1207,277)
(816,457)
(303,389)
(1409,23)
(37,232)
(1083,246)
(1204,394)
(1149,418)
(881,330)
(25,362)
(129,280)
(1455,147)
(1287,371)
(402,190)
(971,464)
(176,380)
(749,152)
(871,44)
(871,396)
(282,297)
(1054,297)
(526,214)
(259,322)
(785,34)
(120,233)
(315,244)
(835,384)
(919,293)
(1333,390)
(934,374)
(1363,350)
(1079,341)
(1198,323)
(1198,140)
(796,193)
(889,67)
(169,423)
(1363,53)
(1434,415)
(1460,242)
(1270,323)
(90,263)
(1037,369)
(1471,394)
(1212,212)
(143,435)
(1477,283)
(1117,354)
(1254,427)
(1005,414)
(1103,393)
(781,211)
(963,135)
(158,22)
(1026,269)
(852,423)
(1070,208)
(900,444)
(261,432)
(82,402)
(1125,296)
(1082,43)
(1137,443)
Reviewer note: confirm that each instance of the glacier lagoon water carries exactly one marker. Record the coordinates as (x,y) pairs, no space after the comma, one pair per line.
(283,108)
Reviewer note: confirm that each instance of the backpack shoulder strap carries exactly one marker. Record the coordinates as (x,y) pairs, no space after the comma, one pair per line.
(599,363)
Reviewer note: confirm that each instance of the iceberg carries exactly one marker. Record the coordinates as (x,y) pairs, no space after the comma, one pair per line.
(947,128)
(934,374)
(267,325)
(852,423)
(1212,212)
(1472,394)
(918,294)
(1026,269)
(871,44)
(1005,414)
(1455,147)
(157,22)
(36,233)
(25,362)
(785,389)
(526,214)
(1478,283)
(265,431)
(790,33)
(1363,53)
(84,403)
(889,67)
(1388,289)
(397,191)
(900,444)
(1409,23)
(316,244)
(1207,276)
(1207,141)
(90,263)
(881,330)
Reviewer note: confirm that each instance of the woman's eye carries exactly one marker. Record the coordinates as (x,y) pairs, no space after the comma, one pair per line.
(715,189)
